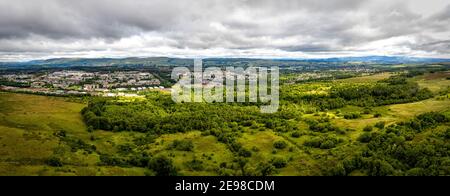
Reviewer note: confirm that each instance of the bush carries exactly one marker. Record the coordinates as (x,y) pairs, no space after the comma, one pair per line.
(279,162)
(352,116)
(368,128)
(54,162)
(328,144)
(195,165)
(265,169)
(447,134)
(182,145)
(314,142)
(125,149)
(280,144)
(380,125)
(244,152)
(110,160)
(365,137)
(162,166)
(296,134)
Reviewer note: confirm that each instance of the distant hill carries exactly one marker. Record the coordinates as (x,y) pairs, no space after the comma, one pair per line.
(165,61)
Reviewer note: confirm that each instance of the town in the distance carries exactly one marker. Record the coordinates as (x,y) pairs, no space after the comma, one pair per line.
(67,82)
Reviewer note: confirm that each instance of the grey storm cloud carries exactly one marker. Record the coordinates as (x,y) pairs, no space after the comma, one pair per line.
(290,28)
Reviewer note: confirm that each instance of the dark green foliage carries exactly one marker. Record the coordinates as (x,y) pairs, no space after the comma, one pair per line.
(368,128)
(327,144)
(195,165)
(125,149)
(111,160)
(160,115)
(380,125)
(14,84)
(323,142)
(322,126)
(244,152)
(74,143)
(162,166)
(280,144)
(396,80)
(394,90)
(366,111)
(447,134)
(426,120)
(279,162)
(392,153)
(144,140)
(54,162)
(182,145)
(365,137)
(266,169)
(296,134)
(352,116)
(138,159)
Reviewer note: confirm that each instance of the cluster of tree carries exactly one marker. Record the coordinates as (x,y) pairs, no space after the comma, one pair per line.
(322,125)
(394,151)
(160,165)
(352,115)
(160,115)
(323,142)
(228,137)
(394,90)
(182,145)
(14,84)
(280,144)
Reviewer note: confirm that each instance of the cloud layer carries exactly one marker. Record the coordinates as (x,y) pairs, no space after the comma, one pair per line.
(236,28)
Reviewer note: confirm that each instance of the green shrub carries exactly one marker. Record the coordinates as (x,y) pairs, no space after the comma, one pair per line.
(265,169)
(365,137)
(447,134)
(368,128)
(244,152)
(279,162)
(162,166)
(352,116)
(54,162)
(182,145)
(195,165)
(280,144)
(380,125)
(296,134)
(328,144)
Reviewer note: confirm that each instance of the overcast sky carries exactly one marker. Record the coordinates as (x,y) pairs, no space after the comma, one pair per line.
(223,28)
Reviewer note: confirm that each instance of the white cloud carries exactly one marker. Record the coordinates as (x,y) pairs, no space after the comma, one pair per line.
(240,28)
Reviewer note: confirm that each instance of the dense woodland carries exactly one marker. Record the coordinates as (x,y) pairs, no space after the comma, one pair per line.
(390,91)
(392,152)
